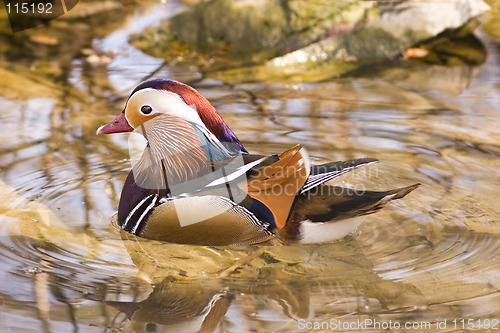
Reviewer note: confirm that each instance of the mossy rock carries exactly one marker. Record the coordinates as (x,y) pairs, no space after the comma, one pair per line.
(224,33)
(301,41)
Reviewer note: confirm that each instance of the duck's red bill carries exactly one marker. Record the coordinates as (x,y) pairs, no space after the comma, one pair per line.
(119,125)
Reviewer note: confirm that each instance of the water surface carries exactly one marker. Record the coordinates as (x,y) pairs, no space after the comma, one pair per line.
(431,257)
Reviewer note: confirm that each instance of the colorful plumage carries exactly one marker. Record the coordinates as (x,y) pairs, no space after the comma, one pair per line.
(195,183)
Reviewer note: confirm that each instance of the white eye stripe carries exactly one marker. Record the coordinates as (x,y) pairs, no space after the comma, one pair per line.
(162,101)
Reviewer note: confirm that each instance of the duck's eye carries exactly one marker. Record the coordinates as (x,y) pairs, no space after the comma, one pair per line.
(146,109)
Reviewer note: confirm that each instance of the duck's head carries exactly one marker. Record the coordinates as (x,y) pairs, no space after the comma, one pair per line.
(184,131)
(180,103)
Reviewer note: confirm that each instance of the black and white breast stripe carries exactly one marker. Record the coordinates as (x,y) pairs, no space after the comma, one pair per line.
(138,216)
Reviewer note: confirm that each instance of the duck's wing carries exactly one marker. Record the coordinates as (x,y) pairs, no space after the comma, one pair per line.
(277,181)
(331,212)
(333,203)
(322,173)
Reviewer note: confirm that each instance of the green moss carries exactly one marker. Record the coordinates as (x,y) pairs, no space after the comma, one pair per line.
(372,44)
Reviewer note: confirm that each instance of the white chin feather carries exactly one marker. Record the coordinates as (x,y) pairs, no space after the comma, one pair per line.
(318,232)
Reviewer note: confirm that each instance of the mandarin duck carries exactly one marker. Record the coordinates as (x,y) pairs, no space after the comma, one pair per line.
(195,182)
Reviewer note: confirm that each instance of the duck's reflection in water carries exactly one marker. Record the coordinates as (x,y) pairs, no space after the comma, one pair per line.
(281,297)
(174,306)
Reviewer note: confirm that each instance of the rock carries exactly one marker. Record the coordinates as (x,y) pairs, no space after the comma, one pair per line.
(301,41)
(421,20)
(241,32)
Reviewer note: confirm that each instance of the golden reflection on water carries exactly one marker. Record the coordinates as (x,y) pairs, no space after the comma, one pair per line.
(432,256)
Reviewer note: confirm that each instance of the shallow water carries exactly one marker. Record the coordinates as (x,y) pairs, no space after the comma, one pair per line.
(430,260)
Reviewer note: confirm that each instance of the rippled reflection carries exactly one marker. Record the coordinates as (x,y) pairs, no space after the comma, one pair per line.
(66,267)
